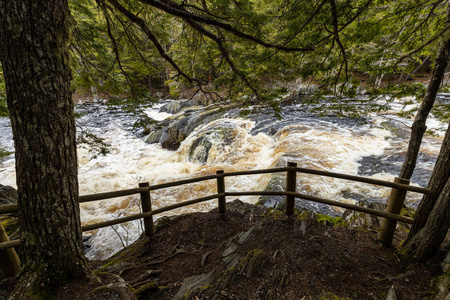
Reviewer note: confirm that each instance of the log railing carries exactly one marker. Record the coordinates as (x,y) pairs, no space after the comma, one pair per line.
(391,216)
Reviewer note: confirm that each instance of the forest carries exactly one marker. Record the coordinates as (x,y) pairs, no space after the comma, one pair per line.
(247,52)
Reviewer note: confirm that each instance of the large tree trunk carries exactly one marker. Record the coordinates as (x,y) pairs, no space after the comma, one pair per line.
(34,55)
(419,127)
(429,238)
(439,177)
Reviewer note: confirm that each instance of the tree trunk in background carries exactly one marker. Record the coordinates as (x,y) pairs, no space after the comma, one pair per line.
(35,59)
(419,127)
(425,237)
(439,177)
(426,242)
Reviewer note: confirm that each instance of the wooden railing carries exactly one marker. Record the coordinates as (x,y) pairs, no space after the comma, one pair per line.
(391,216)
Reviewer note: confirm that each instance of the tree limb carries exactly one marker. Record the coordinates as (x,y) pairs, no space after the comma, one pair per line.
(338,41)
(175,9)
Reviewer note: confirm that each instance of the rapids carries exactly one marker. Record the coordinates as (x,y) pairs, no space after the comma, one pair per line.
(373,146)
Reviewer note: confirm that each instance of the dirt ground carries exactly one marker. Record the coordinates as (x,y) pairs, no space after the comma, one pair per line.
(297,257)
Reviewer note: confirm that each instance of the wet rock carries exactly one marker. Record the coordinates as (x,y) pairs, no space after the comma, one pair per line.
(172,131)
(154,135)
(362,220)
(174,107)
(397,128)
(200,150)
(8,195)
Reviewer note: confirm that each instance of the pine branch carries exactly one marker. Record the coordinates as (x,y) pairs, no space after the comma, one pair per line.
(338,41)
(175,9)
(141,23)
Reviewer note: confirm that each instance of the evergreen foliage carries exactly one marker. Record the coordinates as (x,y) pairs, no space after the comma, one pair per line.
(250,49)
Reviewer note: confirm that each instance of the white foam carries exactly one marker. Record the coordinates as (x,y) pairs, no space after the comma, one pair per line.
(322,145)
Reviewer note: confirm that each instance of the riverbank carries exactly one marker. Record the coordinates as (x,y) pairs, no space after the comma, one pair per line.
(256,253)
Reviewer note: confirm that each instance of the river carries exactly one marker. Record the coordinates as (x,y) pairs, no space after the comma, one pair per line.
(373,146)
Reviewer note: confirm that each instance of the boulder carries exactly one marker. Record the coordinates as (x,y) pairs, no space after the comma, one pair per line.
(172,131)
(200,150)
(8,195)
(172,107)
(176,106)
(362,220)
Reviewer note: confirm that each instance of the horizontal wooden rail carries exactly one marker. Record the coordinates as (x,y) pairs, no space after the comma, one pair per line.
(150,213)
(11,208)
(329,202)
(416,189)
(10,244)
(8,208)
(185,203)
(108,195)
(253,172)
(391,184)
(181,182)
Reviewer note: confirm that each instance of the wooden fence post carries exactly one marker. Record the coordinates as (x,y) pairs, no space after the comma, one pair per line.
(146,203)
(394,206)
(9,261)
(291,186)
(220,190)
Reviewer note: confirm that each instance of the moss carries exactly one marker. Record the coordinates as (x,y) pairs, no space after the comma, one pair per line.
(10,224)
(261,202)
(330,296)
(328,220)
(304,215)
(273,212)
(4,153)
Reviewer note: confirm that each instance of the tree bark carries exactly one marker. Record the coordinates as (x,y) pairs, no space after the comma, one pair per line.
(439,177)
(419,127)
(427,241)
(35,60)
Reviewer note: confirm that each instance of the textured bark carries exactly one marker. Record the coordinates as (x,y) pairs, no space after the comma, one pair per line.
(427,241)
(419,127)
(439,177)
(34,56)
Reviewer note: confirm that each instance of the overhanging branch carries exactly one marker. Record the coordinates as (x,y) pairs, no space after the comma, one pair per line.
(175,9)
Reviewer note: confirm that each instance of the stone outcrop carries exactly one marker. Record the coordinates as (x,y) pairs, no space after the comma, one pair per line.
(172,131)
(8,195)
(174,107)
(237,263)
(233,265)
(362,220)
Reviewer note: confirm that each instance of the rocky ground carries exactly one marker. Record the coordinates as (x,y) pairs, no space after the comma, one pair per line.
(255,253)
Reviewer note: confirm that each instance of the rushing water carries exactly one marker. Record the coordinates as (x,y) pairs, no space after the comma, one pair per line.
(359,147)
